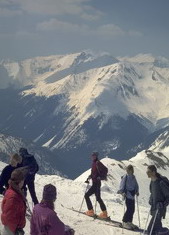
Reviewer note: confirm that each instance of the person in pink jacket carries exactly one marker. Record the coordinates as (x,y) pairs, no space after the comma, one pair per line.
(44,220)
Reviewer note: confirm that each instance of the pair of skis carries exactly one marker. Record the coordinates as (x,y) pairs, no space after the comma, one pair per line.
(96,217)
(109,221)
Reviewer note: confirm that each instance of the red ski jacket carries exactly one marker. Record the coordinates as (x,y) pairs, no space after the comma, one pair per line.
(13,210)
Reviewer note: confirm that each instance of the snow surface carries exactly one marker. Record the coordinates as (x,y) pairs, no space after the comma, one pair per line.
(70,194)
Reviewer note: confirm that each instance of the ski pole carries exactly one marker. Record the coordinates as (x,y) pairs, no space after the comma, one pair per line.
(28,207)
(138,211)
(154,222)
(87,181)
(146,222)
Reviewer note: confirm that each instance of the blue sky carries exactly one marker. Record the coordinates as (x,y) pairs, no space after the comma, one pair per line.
(31,28)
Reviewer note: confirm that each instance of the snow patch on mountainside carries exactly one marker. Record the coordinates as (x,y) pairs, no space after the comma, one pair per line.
(10,145)
(120,88)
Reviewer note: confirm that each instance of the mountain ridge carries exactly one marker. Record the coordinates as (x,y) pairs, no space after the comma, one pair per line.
(73,104)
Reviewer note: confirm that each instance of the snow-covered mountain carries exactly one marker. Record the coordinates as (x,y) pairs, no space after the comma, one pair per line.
(71,193)
(73,104)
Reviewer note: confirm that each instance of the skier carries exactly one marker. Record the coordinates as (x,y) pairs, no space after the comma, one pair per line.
(44,219)
(95,188)
(29,162)
(159,198)
(13,205)
(15,159)
(129,188)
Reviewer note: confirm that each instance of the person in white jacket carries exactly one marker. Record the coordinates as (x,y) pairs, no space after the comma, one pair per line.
(129,188)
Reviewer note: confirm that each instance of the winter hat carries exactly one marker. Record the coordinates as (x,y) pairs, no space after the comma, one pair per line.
(152,168)
(17,176)
(129,167)
(23,151)
(15,157)
(95,154)
(49,192)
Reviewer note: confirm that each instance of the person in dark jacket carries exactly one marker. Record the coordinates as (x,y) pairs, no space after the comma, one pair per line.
(44,219)
(15,160)
(14,205)
(129,188)
(159,199)
(29,162)
(95,189)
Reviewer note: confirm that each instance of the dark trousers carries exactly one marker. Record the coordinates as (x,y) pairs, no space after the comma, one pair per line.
(95,189)
(157,225)
(130,209)
(31,186)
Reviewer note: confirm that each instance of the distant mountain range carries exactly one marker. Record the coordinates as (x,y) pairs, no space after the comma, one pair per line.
(71,105)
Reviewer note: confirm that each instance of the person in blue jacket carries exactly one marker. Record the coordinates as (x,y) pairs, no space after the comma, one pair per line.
(129,188)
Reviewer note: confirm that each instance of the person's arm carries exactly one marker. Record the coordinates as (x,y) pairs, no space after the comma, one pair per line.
(122,185)
(137,188)
(33,229)
(57,227)
(2,181)
(165,191)
(11,210)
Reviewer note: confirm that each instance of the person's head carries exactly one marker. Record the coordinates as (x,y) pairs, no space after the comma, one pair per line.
(49,195)
(23,151)
(15,159)
(152,171)
(17,178)
(95,156)
(130,170)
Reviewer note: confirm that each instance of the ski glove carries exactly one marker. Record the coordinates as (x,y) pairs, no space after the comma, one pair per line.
(69,230)
(160,205)
(87,181)
(19,231)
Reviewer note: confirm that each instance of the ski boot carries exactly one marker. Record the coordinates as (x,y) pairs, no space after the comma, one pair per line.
(103,215)
(90,213)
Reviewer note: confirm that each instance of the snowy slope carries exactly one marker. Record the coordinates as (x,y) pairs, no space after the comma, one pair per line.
(70,194)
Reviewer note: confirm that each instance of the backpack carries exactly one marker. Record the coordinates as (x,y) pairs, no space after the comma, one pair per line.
(102,170)
(164,179)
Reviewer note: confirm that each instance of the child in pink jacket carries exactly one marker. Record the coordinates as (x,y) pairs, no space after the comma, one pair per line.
(44,219)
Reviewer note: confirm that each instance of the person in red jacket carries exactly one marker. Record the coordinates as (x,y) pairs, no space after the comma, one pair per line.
(95,189)
(14,205)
